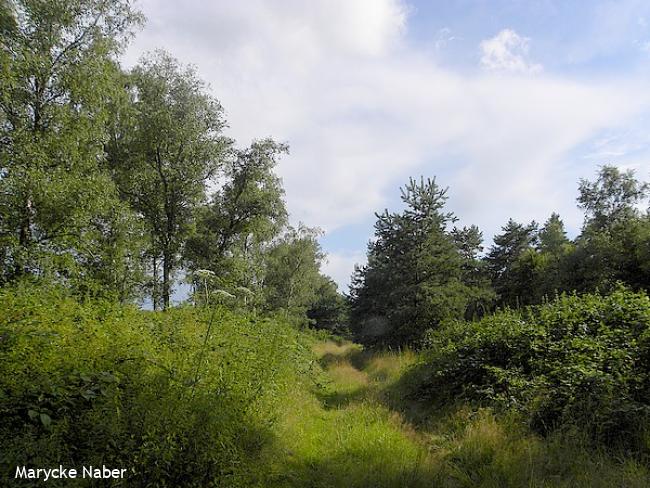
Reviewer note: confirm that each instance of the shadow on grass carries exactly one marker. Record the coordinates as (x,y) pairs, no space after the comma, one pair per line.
(370,469)
(404,396)
(338,399)
(329,359)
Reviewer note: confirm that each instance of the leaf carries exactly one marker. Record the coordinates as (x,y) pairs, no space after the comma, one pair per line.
(46,420)
(88,394)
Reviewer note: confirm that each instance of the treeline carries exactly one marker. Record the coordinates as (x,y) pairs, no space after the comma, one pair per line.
(423,271)
(550,332)
(115,183)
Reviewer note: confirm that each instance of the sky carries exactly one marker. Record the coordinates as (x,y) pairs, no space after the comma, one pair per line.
(508,103)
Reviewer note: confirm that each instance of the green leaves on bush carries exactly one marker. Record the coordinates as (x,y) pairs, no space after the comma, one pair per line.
(165,395)
(578,361)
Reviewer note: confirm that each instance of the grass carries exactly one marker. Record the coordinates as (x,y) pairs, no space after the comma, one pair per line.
(355,429)
(340,435)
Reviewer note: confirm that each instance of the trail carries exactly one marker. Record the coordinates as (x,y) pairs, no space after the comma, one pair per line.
(356,430)
(344,435)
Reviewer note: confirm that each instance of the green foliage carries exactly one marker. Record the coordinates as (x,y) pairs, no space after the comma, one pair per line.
(329,311)
(292,275)
(613,243)
(181,398)
(527,266)
(414,276)
(232,232)
(165,144)
(510,277)
(480,295)
(578,361)
(59,211)
(360,431)
(612,198)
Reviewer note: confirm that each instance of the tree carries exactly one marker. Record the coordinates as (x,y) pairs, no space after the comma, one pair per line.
(510,276)
(243,216)
(292,275)
(554,251)
(60,212)
(164,148)
(8,21)
(413,279)
(614,234)
(469,243)
(552,236)
(329,309)
(612,198)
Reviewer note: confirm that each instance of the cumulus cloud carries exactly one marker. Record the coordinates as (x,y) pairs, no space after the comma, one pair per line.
(362,108)
(340,265)
(507,51)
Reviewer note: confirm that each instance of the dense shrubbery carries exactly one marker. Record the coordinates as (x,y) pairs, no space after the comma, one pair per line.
(181,398)
(578,361)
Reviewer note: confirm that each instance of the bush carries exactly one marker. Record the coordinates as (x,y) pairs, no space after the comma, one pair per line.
(99,383)
(581,361)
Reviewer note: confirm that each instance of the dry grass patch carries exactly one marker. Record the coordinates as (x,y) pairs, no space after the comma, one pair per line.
(331,348)
(346,377)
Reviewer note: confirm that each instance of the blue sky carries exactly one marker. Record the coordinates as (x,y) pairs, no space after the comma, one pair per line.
(508,103)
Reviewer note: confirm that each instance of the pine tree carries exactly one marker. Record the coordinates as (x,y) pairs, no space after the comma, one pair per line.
(413,279)
(469,243)
(510,275)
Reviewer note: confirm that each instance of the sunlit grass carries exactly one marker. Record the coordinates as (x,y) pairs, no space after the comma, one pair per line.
(345,433)
(331,348)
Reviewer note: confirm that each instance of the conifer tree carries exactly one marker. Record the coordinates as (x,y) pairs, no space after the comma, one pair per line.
(413,279)
(511,281)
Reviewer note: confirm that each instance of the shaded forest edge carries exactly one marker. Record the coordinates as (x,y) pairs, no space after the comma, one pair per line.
(114,182)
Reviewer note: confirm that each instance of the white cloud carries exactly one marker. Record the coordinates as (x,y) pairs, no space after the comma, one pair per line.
(507,51)
(444,38)
(363,109)
(339,266)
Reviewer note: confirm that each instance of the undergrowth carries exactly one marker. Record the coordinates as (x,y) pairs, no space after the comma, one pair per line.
(360,429)
(182,398)
(207,397)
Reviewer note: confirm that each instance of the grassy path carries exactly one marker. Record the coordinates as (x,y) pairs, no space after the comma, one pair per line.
(348,432)
(342,436)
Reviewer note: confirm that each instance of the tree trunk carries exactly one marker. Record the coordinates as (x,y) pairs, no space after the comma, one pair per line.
(24,237)
(167,267)
(154,288)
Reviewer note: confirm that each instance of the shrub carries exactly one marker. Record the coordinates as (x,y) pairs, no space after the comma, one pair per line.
(580,361)
(99,383)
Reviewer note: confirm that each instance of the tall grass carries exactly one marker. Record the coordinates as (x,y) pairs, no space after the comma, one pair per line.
(182,398)
(357,429)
